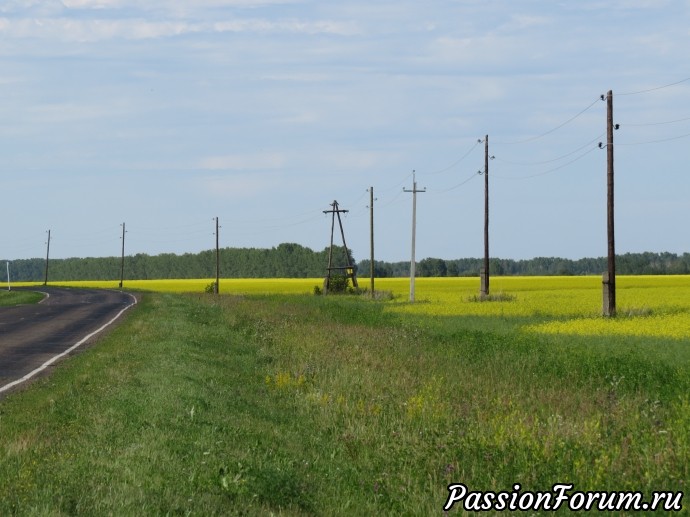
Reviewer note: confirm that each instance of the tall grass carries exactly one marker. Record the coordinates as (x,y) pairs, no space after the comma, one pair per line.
(301,405)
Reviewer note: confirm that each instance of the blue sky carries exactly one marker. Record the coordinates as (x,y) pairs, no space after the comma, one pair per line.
(166,114)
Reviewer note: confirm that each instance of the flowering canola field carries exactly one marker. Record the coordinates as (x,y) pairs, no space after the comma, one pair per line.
(654,306)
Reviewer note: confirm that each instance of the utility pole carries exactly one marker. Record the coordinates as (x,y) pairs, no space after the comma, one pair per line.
(349,267)
(484,272)
(9,287)
(122,261)
(371,238)
(217,286)
(610,276)
(45,281)
(414,231)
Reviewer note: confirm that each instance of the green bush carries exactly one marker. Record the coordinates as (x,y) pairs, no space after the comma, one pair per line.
(337,284)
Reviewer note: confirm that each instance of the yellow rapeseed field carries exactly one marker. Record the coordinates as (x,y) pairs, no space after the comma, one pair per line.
(656,306)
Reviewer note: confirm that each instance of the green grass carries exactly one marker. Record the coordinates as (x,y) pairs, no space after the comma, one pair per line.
(305,405)
(9,298)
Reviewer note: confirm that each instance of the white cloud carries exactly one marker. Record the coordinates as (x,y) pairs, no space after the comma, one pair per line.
(244,162)
(289,26)
(70,29)
(177,5)
(485,51)
(522,22)
(91,4)
(237,186)
(67,29)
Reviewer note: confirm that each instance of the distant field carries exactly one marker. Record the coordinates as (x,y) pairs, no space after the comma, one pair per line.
(274,401)
(560,305)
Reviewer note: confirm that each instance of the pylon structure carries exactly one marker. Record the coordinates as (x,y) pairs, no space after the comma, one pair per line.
(348,268)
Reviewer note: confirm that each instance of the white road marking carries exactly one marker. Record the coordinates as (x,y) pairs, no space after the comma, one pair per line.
(70,349)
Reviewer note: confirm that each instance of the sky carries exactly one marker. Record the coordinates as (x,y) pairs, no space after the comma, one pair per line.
(165,114)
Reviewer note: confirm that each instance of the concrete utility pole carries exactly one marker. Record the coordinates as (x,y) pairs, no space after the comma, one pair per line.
(9,288)
(609,280)
(371,238)
(45,281)
(122,261)
(414,231)
(217,286)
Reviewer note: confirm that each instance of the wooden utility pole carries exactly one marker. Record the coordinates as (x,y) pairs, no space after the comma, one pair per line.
(610,278)
(484,276)
(45,281)
(349,267)
(216,288)
(122,261)
(414,231)
(371,238)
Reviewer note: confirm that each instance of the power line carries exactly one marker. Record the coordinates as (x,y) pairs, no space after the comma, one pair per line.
(395,198)
(271,219)
(544,173)
(555,159)
(531,139)
(658,123)
(655,88)
(175,228)
(359,198)
(397,184)
(476,143)
(470,178)
(657,141)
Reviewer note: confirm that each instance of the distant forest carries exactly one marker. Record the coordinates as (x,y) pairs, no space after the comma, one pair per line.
(295,261)
(647,263)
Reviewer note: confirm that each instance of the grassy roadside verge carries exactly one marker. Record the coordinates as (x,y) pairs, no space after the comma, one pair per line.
(303,405)
(9,298)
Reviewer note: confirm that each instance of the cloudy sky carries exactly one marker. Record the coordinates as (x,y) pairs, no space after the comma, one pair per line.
(167,113)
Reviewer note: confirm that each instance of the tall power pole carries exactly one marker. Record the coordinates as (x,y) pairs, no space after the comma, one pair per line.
(371,238)
(349,266)
(414,231)
(45,281)
(122,261)
(217,286)
(610,301)
(484,276)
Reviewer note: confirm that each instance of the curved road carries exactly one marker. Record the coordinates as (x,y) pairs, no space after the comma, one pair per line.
(32,337)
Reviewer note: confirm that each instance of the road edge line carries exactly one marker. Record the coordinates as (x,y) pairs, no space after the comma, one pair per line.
(70,349)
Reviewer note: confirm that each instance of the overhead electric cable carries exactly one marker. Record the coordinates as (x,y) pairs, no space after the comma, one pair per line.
(656,141)
(531,139)
(547,171)
(470,178)
(658,123)
(396,185)
(656,88)
(476,143)
(395,198)
(597,139)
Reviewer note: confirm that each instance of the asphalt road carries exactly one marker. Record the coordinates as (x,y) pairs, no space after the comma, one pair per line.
(33,337)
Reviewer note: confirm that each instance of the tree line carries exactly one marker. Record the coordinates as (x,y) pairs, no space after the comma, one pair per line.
(291,260)
(287,260)
(647,263)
